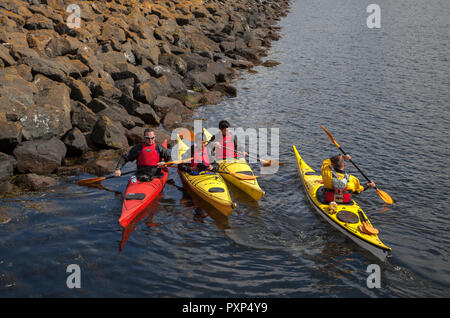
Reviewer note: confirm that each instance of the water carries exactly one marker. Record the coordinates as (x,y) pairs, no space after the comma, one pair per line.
(383,93)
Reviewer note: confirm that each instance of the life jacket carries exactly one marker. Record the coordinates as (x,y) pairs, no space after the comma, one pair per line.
(200,157)
(228,142)
(149,155)
(339,193)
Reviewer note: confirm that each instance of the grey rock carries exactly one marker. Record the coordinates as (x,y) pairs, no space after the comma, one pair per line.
(39,156)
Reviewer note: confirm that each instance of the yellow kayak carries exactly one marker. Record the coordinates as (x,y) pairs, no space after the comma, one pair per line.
(239,165)
(209,186)
(347,218)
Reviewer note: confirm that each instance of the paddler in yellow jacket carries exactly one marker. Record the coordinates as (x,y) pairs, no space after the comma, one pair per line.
(338,185)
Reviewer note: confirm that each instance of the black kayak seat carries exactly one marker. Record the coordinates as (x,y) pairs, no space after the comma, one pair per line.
(347,217)
(216,189)
(135,196)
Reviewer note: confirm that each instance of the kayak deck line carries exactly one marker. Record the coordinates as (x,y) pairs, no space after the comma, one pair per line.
(313,183)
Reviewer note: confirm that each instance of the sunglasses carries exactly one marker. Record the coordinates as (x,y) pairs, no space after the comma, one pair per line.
(146,137)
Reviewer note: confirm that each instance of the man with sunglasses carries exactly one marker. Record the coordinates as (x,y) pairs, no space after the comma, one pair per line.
(338,185)
(149,156)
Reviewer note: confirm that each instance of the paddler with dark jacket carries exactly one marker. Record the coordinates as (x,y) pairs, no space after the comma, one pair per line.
(226,146)
(338,185)
(149,156)
(200,156)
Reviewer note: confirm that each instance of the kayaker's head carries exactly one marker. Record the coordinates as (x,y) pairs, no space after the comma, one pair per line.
(338,162)
(223,126)
(200,140)
(149,137)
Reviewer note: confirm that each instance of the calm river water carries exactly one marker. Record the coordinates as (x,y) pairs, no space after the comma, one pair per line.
(383,93)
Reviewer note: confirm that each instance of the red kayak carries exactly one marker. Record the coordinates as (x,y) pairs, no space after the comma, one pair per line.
(139,195)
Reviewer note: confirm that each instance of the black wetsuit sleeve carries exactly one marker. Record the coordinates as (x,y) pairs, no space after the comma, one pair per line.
(132,155)
(164,153)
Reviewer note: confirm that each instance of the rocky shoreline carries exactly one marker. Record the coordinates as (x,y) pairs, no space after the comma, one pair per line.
(76,94)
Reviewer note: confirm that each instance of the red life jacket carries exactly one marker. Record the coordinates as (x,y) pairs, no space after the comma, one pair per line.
(339,193)
(149,155)
(200,157)
(227,141)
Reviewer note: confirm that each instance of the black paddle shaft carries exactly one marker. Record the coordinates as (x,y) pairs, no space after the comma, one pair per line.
(123,174)
(342,150)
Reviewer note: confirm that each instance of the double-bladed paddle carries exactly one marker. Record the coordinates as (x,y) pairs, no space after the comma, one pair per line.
(383,195)
(89,181)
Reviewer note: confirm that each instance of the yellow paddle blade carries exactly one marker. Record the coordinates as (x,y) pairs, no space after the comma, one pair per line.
(269,162)
(331,137)
(90,181)
(368,229)
(182,147)
(186,134)
(386,197)
(207,134)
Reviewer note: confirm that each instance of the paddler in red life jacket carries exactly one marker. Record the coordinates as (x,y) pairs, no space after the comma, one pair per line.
(226,144)
(200,157)
(338,185)
(149,156)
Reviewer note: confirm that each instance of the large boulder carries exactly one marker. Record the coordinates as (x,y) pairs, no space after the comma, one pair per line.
(195,61)
(75,142)
(140,110)
(172,85)
(17,94)
(5,58)
(17,43)
(41,108)
(135,135)
(34,182)
(38,21)
(109,134)
(220,70)
(172,121)
(10,135)
(7,164)
(100,167)
(146,49)
(166,105)
(199,80)
(39,156)
(82,117)
(79,90)
(59,46)
(51,68)
(147,92)
(118,114)
(51,114)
